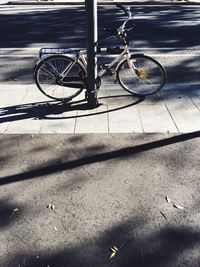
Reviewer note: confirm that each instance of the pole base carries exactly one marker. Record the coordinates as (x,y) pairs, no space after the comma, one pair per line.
(92,99)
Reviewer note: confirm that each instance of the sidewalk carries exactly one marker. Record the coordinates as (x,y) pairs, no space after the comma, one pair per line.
(176,109)
(80,2)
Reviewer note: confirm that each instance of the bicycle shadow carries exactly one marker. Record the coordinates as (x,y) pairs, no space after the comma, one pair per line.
(56,110)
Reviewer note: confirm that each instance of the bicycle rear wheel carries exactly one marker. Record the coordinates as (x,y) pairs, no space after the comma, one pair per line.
(142,76)
(60,77)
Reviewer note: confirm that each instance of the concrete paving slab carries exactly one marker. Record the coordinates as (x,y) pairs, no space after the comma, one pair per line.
(119,97)
(58,126)
(92,121)
(27,126)
(34,95)
(60,122)
(118,94)
(196,101)
(124,120)
(3,126)
(156,118)
(10,95)
(165,111)
(186,115)
(195,96)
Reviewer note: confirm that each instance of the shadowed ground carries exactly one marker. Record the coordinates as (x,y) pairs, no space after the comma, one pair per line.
(107,190)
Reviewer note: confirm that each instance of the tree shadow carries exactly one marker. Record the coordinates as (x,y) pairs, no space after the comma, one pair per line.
(163,247)
(144,236)
(10,213)
(66,26)
(56,166)
(158,27)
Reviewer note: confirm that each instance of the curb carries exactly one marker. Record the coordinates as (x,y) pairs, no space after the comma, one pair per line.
(103,2)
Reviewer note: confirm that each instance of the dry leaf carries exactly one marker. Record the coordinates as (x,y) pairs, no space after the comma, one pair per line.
(163,215)
(51,206)
(168,199)
(15,210)
(112,255)
(55,228)
(114,250)
(178,207)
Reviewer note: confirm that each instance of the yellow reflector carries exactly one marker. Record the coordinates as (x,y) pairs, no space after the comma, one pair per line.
(142,73)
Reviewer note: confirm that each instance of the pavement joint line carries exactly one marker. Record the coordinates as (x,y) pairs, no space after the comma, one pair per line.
(170,115)
(139,115)
(194,103)
(75,123)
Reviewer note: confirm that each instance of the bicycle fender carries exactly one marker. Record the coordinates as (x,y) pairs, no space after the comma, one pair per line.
(137,55)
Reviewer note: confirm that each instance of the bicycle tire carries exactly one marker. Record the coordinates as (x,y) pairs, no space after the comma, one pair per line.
(48,76)
(146,77)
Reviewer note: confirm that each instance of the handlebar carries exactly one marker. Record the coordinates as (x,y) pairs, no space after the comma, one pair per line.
(125,9)
(128,13)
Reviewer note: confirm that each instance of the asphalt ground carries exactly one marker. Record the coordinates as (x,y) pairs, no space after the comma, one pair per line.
(67,199)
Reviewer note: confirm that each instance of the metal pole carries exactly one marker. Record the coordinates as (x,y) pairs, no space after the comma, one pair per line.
(91,44)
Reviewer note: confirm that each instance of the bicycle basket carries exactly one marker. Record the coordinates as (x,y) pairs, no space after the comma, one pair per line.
(45,52)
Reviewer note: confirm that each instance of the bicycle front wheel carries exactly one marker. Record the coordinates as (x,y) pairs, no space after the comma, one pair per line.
(142,75)
(60,77)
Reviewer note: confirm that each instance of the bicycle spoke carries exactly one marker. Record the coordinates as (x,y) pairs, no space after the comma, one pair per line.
(58,76)
(141,75)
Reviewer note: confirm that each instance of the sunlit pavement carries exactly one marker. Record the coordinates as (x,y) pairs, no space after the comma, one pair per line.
(176,109)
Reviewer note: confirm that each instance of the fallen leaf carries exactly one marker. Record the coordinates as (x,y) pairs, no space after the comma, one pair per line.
(178,207)
(163,215)
(168,199)
(51,206)
(15,210)
(112,255)
(114,250)
(55,228)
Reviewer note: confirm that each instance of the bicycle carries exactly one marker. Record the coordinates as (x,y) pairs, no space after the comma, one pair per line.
(61,74)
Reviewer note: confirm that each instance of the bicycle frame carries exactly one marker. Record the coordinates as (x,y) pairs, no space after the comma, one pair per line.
(125,53)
